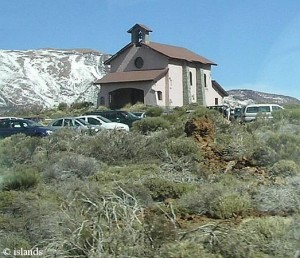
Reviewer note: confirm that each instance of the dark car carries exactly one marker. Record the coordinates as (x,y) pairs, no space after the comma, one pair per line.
(119,116)
(28,127)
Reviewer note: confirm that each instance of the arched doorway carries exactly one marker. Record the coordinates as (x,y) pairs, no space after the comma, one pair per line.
(121,97)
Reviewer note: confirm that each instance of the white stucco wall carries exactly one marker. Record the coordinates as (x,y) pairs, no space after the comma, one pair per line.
(175,85)
(210,93)
(160,86)
(125,61)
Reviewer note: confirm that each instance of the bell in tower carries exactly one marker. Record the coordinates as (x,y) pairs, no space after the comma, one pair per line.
(139,34)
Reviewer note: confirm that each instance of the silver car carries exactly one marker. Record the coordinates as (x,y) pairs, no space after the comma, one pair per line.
(72,123)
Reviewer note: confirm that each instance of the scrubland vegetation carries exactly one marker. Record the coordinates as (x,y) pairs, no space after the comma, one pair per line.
(154,191)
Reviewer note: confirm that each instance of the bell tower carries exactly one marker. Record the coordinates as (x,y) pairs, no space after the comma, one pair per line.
(139,34)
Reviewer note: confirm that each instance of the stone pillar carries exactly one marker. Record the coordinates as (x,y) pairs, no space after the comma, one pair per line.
(200,86)
(186,85)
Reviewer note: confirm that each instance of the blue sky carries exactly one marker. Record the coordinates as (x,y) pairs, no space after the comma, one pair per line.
(256,43)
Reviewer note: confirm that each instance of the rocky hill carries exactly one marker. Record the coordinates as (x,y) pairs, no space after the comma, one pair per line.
(244,97)
(49,76)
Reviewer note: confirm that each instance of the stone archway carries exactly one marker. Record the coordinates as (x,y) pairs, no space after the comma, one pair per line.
(121,97)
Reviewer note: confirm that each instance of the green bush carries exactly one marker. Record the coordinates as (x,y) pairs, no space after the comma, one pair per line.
(81,105)
(267,235)
(264,156)
(62,106)
(185,249)
(20,180)
(215,201)
(154,111)
(162,189)
(230,205)
(182,147)
(150,124)
(131,173)
(18,149)
(286,145)
(135,108)
(285,168)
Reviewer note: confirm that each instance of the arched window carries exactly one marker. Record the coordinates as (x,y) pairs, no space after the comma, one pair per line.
(159,95)
(191,78)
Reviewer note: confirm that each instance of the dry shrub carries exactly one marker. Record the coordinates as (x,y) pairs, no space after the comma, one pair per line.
(278,199)
(215,201)
(18,148)
(114,147)
(96,225)
(71,165)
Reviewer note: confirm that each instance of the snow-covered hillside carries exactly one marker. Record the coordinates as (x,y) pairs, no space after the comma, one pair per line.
(49,76)
(245,97)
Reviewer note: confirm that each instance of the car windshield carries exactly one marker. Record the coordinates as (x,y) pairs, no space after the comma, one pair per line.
(81,121)
(132,115)
(31,123)
(104,119)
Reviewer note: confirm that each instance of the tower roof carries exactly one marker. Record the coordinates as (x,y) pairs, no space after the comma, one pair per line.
(140,26)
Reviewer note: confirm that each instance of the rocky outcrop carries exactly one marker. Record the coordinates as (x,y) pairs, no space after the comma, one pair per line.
(214,159)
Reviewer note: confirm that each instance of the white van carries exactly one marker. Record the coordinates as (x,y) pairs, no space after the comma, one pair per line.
(250,112)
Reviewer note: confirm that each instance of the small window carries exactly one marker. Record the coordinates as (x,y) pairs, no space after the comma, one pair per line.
(191,78)
(17,124)
(4,124)
(159,95)
(276,108)
(58,123)
(68,122)
(205,84)
(216,101)
(77,123)
(102,101)
(264,109)
(93,121)
(252,110)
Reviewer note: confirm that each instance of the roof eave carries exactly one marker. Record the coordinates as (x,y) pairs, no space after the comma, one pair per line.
(107,62)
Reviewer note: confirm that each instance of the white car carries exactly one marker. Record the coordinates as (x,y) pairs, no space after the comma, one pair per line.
(250,112)
(104,123)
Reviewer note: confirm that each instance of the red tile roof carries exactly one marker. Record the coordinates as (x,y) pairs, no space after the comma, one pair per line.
(169,51)
(178,53)
(132,76)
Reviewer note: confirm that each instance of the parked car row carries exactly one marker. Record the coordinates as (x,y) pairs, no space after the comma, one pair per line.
(247,113)
(10,126)
(82,124)
(95,121)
